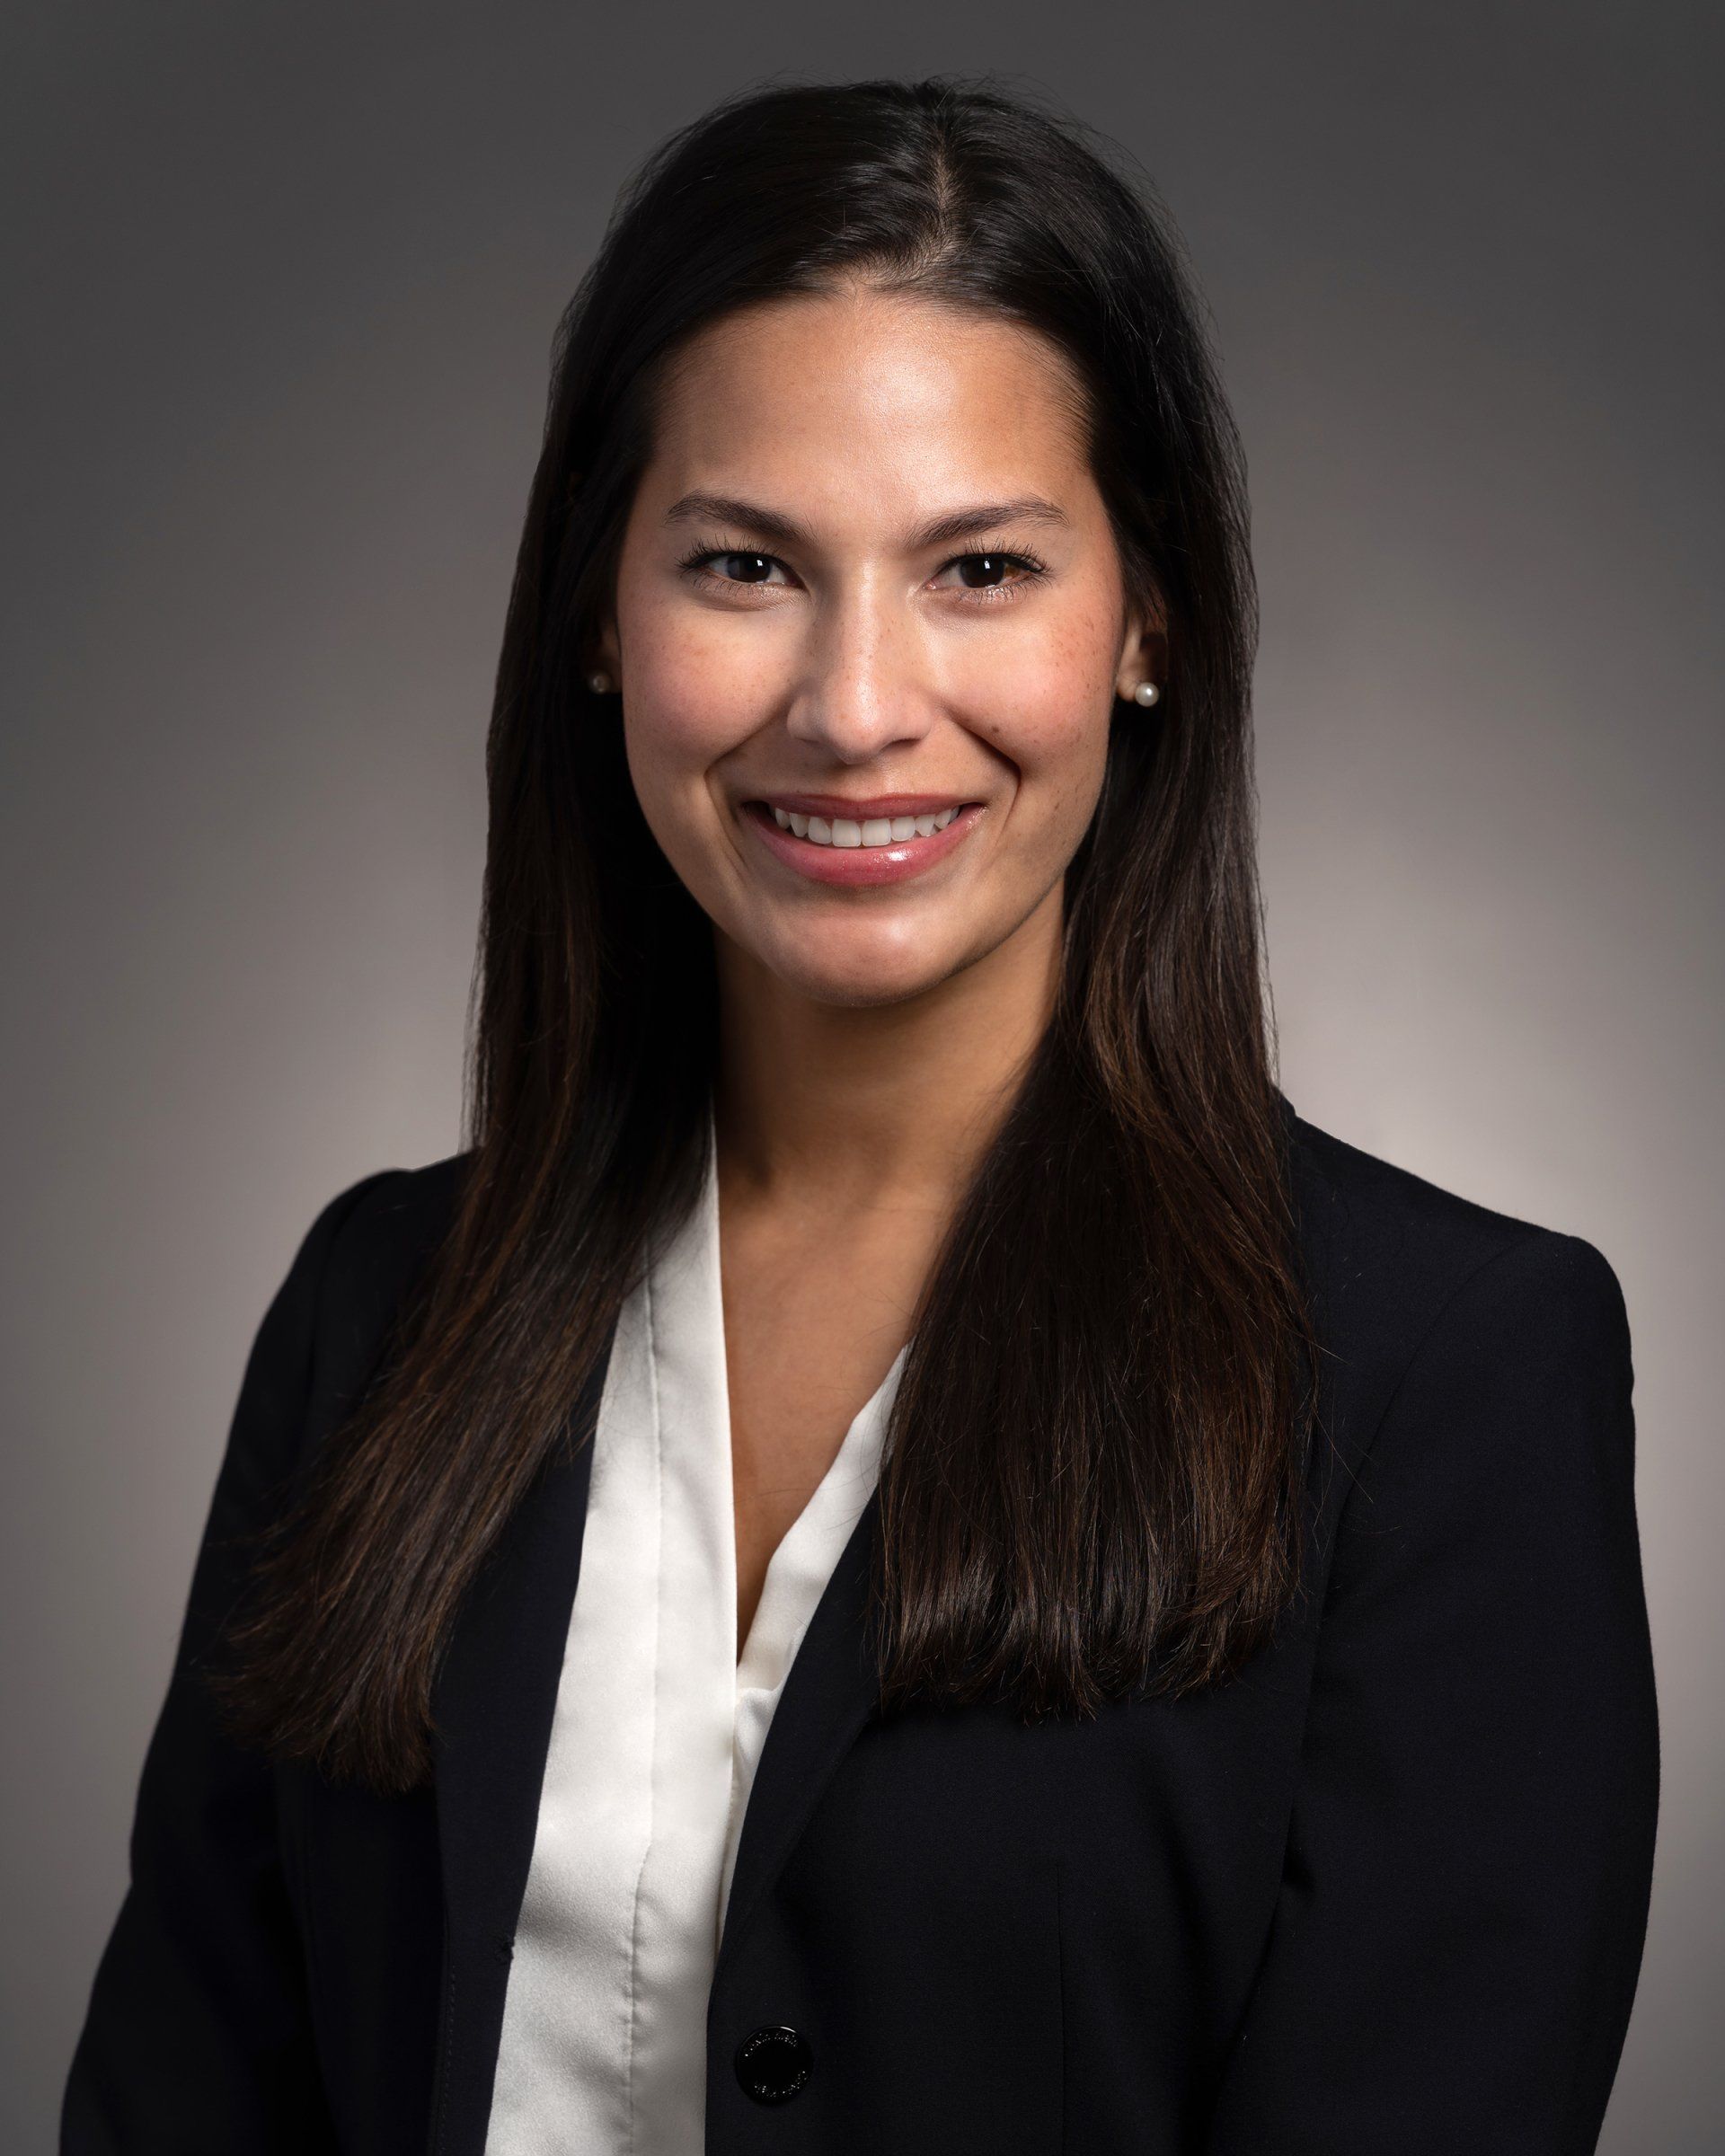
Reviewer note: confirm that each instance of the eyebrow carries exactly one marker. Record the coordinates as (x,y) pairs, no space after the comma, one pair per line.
(956,524)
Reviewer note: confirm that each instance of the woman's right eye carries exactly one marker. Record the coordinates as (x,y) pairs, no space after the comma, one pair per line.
(735,566)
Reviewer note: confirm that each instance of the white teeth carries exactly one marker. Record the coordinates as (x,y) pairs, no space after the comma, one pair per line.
(876,831)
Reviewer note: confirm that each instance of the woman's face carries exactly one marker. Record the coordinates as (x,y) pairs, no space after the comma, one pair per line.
(868,580)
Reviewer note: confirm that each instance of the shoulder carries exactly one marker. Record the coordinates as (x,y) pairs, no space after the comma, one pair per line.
(1475,1367)
(361,1257)
(393,1215)
(1395,1262)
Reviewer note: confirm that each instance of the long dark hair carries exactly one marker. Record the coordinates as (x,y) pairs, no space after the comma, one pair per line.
(1091,1484)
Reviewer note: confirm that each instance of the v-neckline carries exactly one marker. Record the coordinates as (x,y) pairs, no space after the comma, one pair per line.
(836,1500)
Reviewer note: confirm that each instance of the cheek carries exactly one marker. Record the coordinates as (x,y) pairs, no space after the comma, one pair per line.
(1043,699)
(673,731)
(687,704)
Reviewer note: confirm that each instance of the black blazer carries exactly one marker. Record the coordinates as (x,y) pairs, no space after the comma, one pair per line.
(1386,1892)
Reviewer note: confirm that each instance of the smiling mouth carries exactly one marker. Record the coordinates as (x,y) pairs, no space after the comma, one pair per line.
(860,832)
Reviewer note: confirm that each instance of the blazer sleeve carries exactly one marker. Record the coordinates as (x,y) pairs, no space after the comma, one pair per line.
(1465,1885)
(197,2036)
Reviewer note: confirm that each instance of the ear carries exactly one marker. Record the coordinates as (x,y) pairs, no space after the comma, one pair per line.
(1143,647)
(604,652)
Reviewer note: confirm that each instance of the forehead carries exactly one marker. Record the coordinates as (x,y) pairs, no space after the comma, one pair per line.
(861,396)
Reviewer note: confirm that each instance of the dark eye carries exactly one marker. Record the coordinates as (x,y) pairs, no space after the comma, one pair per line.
(747,569)
(998,576)
(979,569)
(734,566)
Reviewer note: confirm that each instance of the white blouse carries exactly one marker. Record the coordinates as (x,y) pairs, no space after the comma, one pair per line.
(656,1732)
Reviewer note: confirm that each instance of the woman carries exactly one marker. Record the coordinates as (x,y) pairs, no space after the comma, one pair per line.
(1107,1618)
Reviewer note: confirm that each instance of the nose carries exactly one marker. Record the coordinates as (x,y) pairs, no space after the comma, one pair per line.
(863,688)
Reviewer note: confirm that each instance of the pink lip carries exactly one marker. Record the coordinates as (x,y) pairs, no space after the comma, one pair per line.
(860,809)
(855,866)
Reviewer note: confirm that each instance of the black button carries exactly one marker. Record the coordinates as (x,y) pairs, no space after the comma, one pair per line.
(773,2063)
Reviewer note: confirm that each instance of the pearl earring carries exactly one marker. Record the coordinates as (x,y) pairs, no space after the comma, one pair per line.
(598,682)
(1147,693)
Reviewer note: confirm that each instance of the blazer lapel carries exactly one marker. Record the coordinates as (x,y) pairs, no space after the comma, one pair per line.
(829,1694)
(492,1706)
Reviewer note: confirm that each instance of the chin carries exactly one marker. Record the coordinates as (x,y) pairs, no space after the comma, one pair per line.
(859,981)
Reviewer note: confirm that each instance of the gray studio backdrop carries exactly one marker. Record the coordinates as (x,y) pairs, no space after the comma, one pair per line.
(282,282)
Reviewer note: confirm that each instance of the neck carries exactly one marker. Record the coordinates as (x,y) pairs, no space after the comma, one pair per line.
(853,1108)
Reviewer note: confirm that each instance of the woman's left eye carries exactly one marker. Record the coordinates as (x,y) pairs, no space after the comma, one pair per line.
(993,572)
